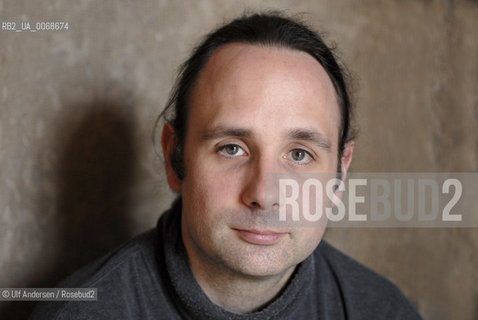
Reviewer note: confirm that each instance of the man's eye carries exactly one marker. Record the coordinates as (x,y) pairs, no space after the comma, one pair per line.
(231,150)
(301,156)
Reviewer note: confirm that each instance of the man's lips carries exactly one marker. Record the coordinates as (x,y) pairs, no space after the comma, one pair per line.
(262,237)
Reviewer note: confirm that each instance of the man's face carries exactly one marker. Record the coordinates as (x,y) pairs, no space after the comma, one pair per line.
(255,111)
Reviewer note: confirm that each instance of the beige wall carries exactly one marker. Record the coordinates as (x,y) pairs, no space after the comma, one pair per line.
(78,173)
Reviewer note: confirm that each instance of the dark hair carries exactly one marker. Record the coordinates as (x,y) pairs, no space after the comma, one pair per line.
(269,29)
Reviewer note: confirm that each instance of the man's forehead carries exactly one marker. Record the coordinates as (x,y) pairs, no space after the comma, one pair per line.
(234,66)
(263,87)
(235,57)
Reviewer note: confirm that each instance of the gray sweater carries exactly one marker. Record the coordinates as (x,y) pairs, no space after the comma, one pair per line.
(149,278)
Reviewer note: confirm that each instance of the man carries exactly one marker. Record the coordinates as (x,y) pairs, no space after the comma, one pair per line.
(260,96)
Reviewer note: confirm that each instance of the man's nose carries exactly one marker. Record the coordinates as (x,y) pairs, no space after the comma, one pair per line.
(259,190)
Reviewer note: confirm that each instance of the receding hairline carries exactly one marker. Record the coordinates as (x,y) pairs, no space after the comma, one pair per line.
(273,46)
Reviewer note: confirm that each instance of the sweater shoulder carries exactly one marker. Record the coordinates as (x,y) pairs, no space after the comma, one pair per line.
(131,253)
(114,275)
(363,290)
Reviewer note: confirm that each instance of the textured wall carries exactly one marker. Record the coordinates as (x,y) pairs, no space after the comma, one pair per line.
(78,173)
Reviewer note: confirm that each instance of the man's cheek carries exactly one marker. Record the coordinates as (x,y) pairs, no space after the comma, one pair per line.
(222,188)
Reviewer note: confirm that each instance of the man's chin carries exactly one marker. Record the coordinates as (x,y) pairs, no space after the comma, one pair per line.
(261,273)
(262,262)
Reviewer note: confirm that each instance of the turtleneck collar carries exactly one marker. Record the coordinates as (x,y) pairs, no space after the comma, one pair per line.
(193,302)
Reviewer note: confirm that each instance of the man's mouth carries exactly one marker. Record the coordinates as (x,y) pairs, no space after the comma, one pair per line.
(260,237)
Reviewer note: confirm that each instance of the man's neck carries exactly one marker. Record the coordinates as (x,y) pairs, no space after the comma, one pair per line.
(236,292)
(231,289)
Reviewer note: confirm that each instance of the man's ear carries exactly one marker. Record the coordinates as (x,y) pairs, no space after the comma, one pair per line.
(346,158)
(168,143)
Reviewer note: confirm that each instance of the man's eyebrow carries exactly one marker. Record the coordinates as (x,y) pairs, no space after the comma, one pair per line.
(310,135)
(221,132)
